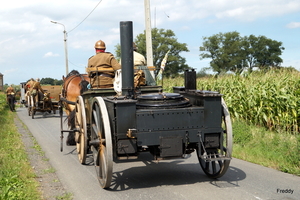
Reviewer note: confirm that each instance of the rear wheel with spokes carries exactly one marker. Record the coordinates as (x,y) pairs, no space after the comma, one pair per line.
(101,141)
(214,161)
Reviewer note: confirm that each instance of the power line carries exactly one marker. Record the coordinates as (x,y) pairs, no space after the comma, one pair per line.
(86,16)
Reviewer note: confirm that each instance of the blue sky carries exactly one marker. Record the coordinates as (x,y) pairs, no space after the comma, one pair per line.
(33,47)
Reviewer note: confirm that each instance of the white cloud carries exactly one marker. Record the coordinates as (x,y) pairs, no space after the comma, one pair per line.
(7,40)
(293,25)
(51,54)
(255,9)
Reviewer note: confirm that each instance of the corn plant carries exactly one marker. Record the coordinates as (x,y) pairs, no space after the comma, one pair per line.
(270,99)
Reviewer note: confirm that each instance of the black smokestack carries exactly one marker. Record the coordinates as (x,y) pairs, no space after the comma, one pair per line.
(190,77)
(127,58)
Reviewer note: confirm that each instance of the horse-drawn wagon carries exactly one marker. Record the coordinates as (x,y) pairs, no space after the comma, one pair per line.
(46,102)
(146,119)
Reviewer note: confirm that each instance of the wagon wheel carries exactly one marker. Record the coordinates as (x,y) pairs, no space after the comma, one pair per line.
(32,107)
(102,145)
(218,165)
(29,105)
(81,130)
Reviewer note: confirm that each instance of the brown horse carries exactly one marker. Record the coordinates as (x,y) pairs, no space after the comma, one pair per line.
(74,84)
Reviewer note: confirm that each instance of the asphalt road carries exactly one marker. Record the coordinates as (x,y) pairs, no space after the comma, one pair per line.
(145,179)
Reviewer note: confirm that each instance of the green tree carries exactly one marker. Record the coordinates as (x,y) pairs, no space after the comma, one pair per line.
(249,45)
(162,41)
(231,52)
(51,81)
(47,81)
(224,50)
(262,52)
(270,50)
(58,82)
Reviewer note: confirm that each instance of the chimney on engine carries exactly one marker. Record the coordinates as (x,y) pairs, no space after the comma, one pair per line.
(190,79)
(126,37)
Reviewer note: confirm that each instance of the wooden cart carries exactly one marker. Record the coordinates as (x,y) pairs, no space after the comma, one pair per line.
(46,103)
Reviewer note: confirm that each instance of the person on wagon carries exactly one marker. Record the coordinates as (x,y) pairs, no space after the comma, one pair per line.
(138,59)
(101,67)
(36,87)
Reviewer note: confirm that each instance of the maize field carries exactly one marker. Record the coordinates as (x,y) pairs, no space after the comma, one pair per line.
(270,99)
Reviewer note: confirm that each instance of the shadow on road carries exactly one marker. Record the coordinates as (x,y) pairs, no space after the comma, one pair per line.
(173,172)
(146,173)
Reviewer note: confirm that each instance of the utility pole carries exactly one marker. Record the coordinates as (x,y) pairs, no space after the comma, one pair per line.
(148,36)
(66,49)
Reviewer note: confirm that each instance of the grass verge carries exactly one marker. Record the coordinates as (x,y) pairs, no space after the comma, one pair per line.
(17,178)
(277,150)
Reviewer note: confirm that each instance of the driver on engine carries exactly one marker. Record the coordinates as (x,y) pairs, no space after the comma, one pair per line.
(101,67)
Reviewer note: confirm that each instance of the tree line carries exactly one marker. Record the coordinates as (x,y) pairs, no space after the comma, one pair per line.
(228,52)
(231,52)
(50,81)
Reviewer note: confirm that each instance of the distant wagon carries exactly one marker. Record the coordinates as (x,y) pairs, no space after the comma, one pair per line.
(46,103)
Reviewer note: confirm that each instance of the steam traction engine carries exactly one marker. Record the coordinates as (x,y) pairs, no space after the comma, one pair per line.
(168,125)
